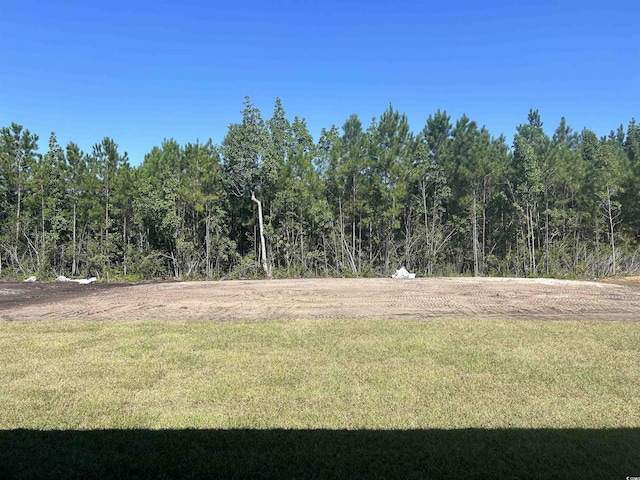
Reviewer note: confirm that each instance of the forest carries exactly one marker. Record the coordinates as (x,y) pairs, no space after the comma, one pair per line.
(363,200)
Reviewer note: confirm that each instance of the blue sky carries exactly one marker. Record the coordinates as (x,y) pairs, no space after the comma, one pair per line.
(142,71)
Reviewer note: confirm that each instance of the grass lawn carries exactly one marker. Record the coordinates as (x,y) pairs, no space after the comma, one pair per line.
(320,399)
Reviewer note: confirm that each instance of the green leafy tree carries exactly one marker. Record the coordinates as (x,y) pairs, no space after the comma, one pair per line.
(48,201)
(530,147)
(605,176)
(431,156)
(564,217)
(247,170)
(391,152)
(18,154)
(207,202)
(629,197)
(480,165)
(157,207)
(104,165)
(76,177)
(347,173)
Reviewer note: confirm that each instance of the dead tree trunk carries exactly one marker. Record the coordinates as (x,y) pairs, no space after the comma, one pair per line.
(263,248)
(74,263)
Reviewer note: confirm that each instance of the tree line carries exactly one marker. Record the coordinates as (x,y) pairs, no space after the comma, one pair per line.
(362,200)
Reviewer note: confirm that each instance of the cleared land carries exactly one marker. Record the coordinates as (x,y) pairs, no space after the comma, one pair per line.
(324,298)
(457,385)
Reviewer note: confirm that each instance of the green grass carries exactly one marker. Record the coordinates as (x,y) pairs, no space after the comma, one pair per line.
(318,399)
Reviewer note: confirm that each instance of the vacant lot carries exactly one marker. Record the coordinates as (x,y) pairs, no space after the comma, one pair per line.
(324,298)
(349,378)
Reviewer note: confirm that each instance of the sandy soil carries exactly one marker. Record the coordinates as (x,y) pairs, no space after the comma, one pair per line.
(324,298)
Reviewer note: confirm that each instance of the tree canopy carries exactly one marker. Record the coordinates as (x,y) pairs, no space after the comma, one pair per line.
(449,199)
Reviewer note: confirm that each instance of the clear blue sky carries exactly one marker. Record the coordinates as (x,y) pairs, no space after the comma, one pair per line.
(142,71)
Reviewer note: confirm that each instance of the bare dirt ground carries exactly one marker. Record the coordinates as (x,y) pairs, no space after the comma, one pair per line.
(257,300)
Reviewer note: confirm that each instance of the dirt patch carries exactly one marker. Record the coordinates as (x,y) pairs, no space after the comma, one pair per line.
(17,295)
(323,298)
(628,281)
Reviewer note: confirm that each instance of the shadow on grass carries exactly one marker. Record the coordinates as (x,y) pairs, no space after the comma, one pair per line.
(465,454)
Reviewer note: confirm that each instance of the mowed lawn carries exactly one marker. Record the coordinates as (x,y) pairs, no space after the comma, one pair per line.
(320,399)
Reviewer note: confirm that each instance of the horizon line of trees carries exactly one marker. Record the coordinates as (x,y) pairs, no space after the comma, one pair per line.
(363,200)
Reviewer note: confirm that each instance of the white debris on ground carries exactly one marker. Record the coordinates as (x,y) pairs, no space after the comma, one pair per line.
(81,281)
(31,279)
(403,273)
